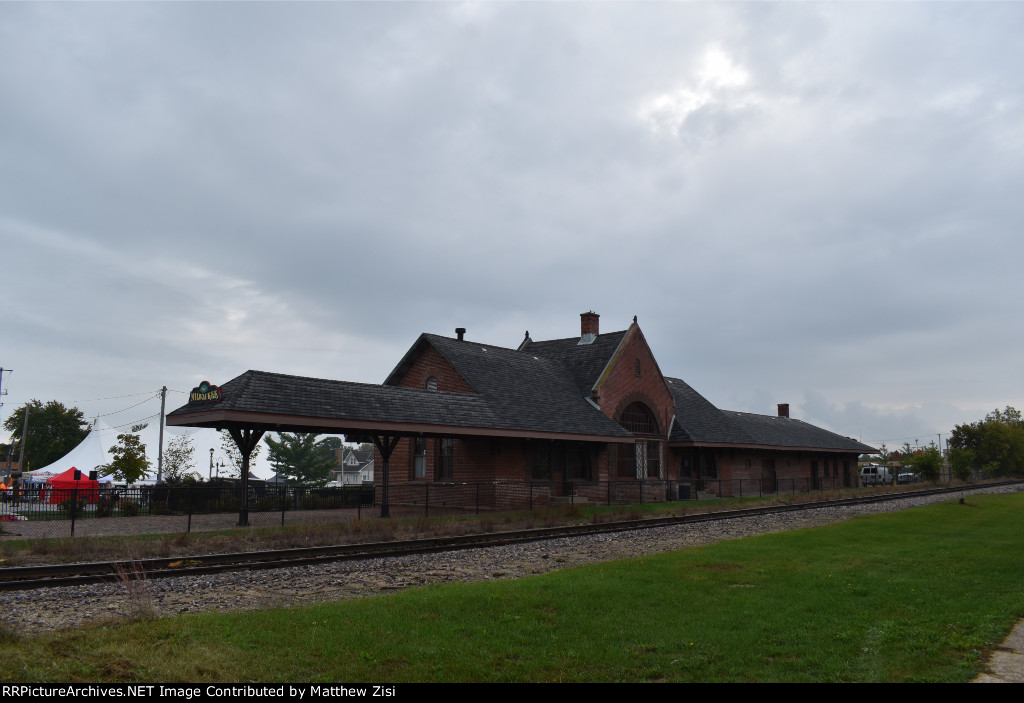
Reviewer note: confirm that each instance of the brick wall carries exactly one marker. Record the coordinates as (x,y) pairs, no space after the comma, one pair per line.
(621,386)
(431,363)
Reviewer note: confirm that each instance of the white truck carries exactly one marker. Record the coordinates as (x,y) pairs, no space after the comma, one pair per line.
(875,475)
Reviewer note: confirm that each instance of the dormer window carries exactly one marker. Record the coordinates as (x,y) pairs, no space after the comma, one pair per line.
(431,384)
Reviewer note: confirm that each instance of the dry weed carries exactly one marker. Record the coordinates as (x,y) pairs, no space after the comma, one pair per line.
(138,596)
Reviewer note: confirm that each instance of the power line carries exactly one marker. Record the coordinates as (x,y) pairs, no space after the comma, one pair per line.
(134,422)
(112,397)
(143,402)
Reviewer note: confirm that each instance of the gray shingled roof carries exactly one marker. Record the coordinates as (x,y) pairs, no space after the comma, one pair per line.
(540,388)
(281,394)
(530,395)
(584,362)
(790,432)
(697,420)
(527,391)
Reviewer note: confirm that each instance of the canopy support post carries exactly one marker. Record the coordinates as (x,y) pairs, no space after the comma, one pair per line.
(246,440)
(385,444)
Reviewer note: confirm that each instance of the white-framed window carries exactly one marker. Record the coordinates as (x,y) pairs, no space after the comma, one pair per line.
(419,458)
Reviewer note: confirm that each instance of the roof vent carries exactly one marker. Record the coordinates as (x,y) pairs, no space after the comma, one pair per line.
(460,332)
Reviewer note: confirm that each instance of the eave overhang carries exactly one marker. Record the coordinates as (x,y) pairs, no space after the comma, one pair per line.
(274,422)
(773,447)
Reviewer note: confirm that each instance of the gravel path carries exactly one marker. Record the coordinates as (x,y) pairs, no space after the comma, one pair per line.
(48,609)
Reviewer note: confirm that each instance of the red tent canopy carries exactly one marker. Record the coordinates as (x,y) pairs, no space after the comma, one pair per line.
(65,484)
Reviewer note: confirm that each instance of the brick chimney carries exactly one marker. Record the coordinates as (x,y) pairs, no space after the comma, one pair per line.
(588,323)
(783,409)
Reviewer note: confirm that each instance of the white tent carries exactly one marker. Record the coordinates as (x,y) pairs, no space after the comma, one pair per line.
(94,450)
(90,453)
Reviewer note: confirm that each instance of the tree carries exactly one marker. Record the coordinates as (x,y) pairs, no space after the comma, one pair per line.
(227,443)
(994,445)
(179,459)
(883,455)
(129,463)
(1009,416)
(53,431)
(302,458)
(331,442)
(961,462)
(926,463)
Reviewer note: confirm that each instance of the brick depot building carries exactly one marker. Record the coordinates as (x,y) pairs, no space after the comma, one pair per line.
(578,412)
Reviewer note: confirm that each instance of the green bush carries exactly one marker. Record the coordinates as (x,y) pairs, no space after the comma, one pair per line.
(104,507)
(314,502)
(128,508)
(68,503)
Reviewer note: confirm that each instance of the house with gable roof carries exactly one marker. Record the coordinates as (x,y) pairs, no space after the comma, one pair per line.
(355,466)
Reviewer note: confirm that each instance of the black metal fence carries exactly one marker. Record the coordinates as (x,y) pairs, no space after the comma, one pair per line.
(46,512)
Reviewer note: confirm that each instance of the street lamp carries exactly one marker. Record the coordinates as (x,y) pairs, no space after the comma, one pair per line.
(210,475)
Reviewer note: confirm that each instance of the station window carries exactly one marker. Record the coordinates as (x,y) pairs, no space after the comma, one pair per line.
(445,458)
(419,458)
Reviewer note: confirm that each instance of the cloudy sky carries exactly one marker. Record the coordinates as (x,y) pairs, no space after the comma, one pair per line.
(809,203)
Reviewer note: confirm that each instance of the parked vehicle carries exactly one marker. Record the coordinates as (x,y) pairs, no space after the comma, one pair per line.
(876,475)
(907,477)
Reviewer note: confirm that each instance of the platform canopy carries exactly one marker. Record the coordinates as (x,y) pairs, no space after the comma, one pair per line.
(258,402)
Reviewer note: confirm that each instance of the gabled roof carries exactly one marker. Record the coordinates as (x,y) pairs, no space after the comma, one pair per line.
(790,432)
(321,400)
(697,420)
(584,362)
(362,458)
(700,422)
(525,390)
(540,390)
(529,400)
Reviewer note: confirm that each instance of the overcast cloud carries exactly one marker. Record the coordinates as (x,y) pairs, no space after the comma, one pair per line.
(808,203)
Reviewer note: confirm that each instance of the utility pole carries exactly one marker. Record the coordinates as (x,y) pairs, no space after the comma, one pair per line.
(10,449)
(2,391)
(24,436)
(160,453)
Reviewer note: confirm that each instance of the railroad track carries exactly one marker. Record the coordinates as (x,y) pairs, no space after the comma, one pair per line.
(30,577)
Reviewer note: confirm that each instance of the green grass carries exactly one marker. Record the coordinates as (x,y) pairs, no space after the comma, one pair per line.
(919,595)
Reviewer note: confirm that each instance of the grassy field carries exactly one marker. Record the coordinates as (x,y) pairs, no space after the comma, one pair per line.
(919,595)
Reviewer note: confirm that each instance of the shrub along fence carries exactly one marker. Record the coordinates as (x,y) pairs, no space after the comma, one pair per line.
(60,513)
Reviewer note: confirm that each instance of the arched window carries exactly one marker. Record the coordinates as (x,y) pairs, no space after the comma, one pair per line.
(638,419)
(431,384)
